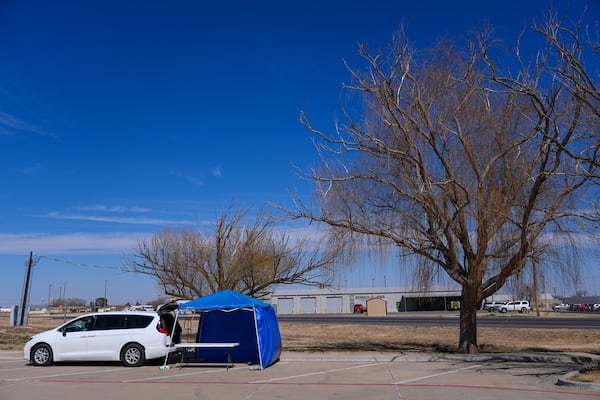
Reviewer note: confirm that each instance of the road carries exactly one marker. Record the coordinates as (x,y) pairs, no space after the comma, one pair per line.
(452,319)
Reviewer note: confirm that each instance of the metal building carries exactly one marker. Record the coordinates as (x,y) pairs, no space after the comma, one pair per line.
(334,301)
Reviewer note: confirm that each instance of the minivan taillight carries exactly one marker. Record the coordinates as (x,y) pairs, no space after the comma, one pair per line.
(162,329)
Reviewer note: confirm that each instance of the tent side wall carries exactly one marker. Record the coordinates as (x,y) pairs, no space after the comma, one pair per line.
(269,337)
(222,326)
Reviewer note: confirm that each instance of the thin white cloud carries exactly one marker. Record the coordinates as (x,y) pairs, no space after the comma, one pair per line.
(190,178)
(117,220)
(217,172)
(194,181)
(113,208)
(11,125)
(72,243)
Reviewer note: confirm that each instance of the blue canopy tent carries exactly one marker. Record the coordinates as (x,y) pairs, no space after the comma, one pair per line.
(229,316)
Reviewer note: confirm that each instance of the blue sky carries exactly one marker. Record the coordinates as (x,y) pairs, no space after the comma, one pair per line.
(120,118)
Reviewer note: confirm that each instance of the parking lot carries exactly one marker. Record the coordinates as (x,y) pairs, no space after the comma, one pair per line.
(296,376)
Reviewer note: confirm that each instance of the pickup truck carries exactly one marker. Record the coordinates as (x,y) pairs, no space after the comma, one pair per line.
(359,308)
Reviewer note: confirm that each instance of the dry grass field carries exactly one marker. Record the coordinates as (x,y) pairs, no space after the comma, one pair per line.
(363,337)
(315,337)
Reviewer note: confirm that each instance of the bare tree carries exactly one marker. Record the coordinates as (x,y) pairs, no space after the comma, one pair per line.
(248,258)
(456,160)
(67,302)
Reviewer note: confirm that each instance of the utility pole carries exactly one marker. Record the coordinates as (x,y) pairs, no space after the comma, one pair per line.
(23,310)
(535,287)
(65,302)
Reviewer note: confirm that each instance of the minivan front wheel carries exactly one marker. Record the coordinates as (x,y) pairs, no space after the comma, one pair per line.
(132,355)
(41,355)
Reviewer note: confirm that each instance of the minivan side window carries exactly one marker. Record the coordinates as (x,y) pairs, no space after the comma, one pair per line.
(108,322)
(81,324)
(137,321)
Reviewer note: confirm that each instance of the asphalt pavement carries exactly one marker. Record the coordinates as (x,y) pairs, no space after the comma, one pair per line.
(322,375)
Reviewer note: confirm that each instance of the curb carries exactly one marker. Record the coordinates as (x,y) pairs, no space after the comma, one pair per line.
(565,380)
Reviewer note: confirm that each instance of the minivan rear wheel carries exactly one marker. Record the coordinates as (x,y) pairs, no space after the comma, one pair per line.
(132,355)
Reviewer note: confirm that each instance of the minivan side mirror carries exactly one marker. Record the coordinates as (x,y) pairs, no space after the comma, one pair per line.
(64,331)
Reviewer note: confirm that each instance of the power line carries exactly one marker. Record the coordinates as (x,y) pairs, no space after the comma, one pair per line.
(77,264)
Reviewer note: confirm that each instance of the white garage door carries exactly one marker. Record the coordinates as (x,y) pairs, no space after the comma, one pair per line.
(334,305)
(285,306)
(308,305)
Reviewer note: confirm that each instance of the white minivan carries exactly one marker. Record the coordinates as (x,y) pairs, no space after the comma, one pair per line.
(128,337)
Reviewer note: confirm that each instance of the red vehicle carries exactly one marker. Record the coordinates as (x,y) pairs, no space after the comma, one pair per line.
(581,307)
(359,308)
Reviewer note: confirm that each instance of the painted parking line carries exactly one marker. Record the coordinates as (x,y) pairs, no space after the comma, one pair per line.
(314,373)
(438,374)
(14,369)
(38,377)
(364,366)
(170,376)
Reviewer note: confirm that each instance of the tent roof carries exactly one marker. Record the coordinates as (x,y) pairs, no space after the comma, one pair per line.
(224,300)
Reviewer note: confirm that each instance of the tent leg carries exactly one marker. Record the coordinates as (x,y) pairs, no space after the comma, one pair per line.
(165,367)
(260,363)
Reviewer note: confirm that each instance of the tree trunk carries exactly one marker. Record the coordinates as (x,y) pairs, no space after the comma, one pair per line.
(468,320)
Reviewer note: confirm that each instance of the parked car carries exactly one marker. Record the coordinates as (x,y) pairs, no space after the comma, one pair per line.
(521,306)
(128,337)
(561,307)
(581,307)
(493,306)
(359,308)
(596,307)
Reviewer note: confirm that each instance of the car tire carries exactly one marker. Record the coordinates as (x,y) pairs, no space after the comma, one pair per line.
(132,355)
(503,310)
(41,355)
(523,310)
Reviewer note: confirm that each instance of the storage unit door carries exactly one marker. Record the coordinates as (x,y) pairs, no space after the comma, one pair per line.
(285,306)
(334,305)
(308,305)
